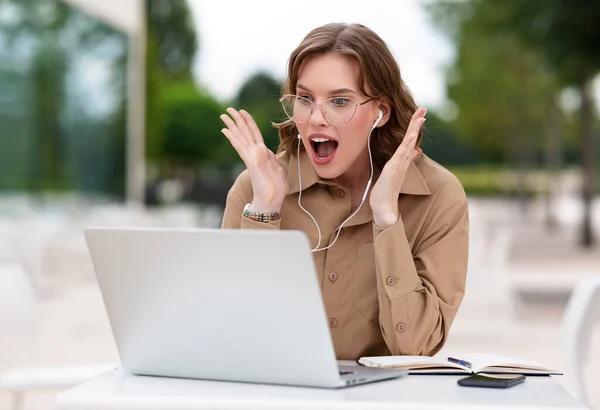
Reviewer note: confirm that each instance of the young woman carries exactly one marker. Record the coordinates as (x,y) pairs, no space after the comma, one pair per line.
(389,226)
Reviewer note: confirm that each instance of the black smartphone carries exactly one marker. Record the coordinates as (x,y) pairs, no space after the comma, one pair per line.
(499,381)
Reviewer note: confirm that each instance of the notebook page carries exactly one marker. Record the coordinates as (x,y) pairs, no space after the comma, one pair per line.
(410,362)
(480,361)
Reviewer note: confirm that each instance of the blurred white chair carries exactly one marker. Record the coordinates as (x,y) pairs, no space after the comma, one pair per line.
(179,216)
(18,319)
(578,327)
(478,230)
(66,257)
(210,216)
(118,215)
(7,240)
(33,234)
(18,327)
(24,379)
(18,315)
(489,251)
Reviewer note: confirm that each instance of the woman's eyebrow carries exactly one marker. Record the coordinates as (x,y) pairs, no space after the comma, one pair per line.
(303,87)
(338,91)
(343,91)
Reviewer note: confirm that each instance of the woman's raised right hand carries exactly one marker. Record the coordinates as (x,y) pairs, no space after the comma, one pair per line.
(269,180)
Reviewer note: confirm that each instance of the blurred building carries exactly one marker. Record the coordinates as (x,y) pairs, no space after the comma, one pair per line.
(67,106)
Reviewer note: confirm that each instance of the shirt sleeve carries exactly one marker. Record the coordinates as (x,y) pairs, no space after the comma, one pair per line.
(419,294)
(233,218)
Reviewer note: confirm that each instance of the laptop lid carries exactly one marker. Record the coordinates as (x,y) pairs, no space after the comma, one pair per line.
(240,305)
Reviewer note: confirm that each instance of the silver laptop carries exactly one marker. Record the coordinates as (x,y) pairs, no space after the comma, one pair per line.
(237,305)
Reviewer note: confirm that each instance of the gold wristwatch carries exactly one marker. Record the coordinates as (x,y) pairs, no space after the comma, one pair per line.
(260,216)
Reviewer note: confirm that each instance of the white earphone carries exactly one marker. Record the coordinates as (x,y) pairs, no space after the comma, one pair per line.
(379,117)
(339,229)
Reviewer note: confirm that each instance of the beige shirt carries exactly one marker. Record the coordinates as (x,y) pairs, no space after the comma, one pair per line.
(392,291)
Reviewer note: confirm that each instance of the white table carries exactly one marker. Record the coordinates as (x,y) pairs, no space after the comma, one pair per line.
(116,390)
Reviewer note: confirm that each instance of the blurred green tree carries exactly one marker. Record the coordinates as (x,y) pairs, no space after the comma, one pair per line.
(172,43)
(192,135)
(48,81)
(503,92)
(259,95)
(566,33)
(445,146)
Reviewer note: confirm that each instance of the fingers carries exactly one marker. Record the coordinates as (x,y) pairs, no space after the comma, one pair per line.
(238,143)
(244,129)
(254,130)
(241,123)
(416,122)
(246,138)
(234,132)
(407,148)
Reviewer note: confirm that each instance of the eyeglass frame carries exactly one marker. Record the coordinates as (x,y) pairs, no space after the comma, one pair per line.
(313,104)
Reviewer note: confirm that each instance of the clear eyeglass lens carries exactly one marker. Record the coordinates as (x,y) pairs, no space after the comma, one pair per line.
(338,110)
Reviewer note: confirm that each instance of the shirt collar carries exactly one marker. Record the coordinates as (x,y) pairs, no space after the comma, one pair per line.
(414,182)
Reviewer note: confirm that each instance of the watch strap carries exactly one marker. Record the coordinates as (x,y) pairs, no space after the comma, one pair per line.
(265,217)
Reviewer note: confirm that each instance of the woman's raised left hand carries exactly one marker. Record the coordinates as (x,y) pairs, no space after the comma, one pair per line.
(385,192)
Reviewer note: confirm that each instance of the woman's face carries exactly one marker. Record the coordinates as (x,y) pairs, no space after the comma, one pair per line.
(334,149)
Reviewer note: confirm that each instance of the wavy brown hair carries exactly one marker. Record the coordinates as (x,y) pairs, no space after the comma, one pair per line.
(378,70)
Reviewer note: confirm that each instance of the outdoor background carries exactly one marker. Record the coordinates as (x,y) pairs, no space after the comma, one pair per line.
(513,97)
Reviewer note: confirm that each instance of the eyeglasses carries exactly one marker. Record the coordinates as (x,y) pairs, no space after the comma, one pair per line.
(338,110)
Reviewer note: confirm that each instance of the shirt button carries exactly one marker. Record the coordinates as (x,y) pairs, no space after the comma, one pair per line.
(340,193)
(333,276)
(400,327)
(333,322)
(391,281)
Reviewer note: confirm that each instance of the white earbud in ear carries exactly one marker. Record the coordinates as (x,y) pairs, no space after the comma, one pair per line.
(379,117)
(299,137)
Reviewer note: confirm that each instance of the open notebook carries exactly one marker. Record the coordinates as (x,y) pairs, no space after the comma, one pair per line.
(479,363)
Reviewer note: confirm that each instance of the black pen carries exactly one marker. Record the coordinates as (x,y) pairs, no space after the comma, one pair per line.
(461,362)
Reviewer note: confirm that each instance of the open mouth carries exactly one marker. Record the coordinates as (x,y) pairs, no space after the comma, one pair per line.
(323,150)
